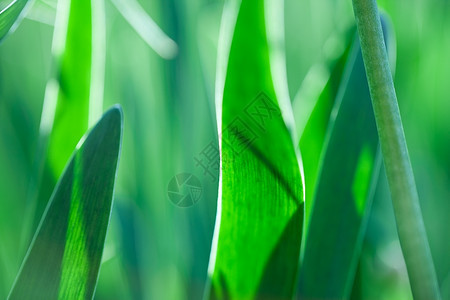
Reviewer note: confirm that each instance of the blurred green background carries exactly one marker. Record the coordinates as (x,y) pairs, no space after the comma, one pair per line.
(156,250)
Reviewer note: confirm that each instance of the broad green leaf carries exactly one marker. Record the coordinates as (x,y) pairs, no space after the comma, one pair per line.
(313,135)
(10,15)
(74,95)
(347,173)
(64,258)
(260,211)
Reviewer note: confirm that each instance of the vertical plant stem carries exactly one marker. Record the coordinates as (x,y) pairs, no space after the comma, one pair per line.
(399,172)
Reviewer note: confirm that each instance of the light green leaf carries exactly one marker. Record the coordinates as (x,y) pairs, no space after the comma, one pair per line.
(42,11)
(260,211)
(314,132)
(74,95)
(64,258)
(346,176)
(10,15)
(144,25)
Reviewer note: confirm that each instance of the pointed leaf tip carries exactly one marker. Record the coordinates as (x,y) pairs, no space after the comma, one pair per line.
(64,258)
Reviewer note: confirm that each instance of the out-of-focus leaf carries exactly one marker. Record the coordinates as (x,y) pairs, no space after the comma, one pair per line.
(314,132)
(130,258)
(43,12)
(74,95)
(347,173)
(260,211)
(208,38)
(64,258)
(144,25)
(10,15)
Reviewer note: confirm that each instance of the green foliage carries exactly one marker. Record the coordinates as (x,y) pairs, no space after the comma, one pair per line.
(313,136)
(345,131)
(10,15)
(146,28)
(260,214)
(351,150)
(66,108)
(64,258)
(52,92)
(405,198)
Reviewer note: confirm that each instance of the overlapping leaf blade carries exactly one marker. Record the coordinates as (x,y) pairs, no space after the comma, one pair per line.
(313,137)
(64,258)
(260,214)
(67,105)
(10,15)
(347,173)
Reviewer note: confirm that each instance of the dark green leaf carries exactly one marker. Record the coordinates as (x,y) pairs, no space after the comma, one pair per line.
(260,214)
(64,258)
(347,173)
(314,134)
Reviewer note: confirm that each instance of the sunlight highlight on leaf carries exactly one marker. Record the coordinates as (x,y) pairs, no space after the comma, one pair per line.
(260,215)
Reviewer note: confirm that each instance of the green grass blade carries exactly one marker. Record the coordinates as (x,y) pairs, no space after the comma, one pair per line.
(74,96)
(348,170)
(313,136)
(260,211)
(144,25)
(66,104)
(64,258)
(339,205)
(10,15)
(405,198)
